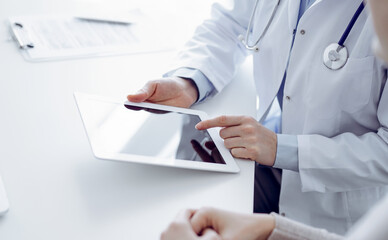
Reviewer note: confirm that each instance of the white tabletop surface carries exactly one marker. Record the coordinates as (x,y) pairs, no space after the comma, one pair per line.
(56,188)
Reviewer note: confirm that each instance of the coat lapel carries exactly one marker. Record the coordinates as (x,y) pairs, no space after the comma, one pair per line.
(293,11)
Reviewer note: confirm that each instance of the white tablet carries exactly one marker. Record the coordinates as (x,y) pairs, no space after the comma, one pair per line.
(154,134)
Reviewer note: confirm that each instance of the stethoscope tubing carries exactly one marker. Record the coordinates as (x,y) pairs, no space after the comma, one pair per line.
(341,42)
(351,24)
(335,55)
(251,47)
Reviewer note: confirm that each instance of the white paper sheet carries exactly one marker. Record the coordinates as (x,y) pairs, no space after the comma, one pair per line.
(60,37)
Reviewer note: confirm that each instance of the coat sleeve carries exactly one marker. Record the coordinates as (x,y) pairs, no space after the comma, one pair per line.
(346,162)
(287,229)
(215,49)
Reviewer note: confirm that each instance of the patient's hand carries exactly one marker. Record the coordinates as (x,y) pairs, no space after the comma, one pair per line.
(231,225)
(180,229)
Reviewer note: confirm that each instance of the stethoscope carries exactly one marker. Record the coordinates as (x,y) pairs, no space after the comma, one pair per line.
(335,55)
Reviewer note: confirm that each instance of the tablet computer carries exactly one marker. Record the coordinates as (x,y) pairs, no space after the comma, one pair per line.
(154,134)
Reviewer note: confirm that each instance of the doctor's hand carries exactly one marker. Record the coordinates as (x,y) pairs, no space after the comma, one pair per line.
(181,228)
(173,91)
(245,137)
(230,225)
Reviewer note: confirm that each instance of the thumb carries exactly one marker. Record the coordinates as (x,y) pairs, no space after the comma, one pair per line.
(143,94)
(210,234)
(202,219)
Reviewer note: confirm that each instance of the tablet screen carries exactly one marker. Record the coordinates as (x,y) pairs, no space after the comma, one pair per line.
(119,128)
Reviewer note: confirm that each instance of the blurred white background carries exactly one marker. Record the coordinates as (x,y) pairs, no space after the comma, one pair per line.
(178,18)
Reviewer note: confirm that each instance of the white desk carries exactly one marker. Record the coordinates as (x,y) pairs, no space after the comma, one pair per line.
(56,189)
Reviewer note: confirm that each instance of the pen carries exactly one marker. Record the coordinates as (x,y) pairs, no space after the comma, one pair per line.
(101,20)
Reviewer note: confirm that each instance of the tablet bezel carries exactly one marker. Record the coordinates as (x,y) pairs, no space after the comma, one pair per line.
(230,163)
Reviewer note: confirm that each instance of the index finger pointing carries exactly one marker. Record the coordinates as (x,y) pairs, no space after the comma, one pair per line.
(221,121)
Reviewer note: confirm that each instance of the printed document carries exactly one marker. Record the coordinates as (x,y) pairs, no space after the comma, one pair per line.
(60,37)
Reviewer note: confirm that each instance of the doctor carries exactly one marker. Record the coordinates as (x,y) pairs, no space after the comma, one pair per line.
(315,57)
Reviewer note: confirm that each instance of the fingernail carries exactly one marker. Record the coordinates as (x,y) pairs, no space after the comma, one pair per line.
(197,126)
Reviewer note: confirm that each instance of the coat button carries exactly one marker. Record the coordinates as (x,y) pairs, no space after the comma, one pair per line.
(288,98)
(283,214)
(302,31)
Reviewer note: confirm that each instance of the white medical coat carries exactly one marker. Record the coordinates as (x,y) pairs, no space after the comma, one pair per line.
(340,117)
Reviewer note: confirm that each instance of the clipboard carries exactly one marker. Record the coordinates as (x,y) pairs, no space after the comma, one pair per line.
(60,37)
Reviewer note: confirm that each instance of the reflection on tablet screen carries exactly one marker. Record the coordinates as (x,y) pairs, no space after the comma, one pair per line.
(149,132)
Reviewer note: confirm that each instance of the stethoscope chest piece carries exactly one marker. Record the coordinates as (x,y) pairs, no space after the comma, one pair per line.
(335,56)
